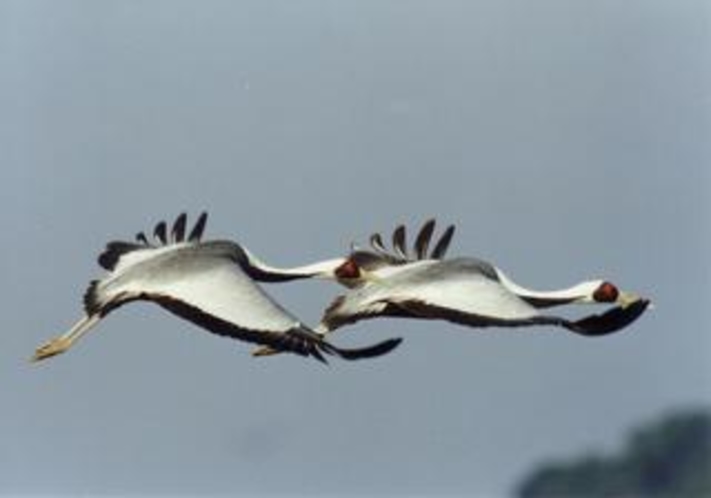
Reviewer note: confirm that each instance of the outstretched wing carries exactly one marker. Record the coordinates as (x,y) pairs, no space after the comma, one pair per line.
(217,295)
(204,282)
(463,293)
(426,290)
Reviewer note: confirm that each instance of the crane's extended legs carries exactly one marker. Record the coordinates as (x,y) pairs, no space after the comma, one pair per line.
(60,344)
(265,351)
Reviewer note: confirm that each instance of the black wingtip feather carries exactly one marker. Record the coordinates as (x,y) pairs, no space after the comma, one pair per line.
(178,231)
(142,239)
(198,228)
(400,241)
(423,239)
(113,252)
(376,242)
(161,232)
(442,246)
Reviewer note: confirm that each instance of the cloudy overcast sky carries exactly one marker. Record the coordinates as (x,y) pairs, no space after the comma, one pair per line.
(567,140)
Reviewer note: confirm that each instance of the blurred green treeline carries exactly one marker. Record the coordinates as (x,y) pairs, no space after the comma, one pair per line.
(667,458)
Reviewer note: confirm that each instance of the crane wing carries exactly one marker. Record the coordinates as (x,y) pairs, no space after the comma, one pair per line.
(429,290)
(203,284)
(462,292)
(471,295)
(212,291)
(207,283)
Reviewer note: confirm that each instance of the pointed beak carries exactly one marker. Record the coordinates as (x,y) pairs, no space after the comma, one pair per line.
(627,298)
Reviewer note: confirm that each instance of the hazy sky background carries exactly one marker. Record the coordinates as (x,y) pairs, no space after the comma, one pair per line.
(567,140)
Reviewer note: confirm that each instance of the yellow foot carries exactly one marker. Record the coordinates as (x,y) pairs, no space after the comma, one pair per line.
(51,348)
(265,351)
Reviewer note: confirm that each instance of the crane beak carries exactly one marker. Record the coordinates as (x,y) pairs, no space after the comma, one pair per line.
(625,299)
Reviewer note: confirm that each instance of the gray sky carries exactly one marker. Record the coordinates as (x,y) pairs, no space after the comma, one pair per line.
(567,140)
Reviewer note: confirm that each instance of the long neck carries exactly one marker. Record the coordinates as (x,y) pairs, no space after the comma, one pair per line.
(545,299)
(262,272)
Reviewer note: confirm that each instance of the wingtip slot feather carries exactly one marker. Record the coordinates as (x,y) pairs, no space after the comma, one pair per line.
(178,231)
(198,228)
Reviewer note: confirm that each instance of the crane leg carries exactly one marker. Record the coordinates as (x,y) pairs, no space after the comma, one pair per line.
(63,342)
(265,351)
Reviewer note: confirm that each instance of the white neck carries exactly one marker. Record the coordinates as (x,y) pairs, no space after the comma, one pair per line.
(578,293)
(321,269)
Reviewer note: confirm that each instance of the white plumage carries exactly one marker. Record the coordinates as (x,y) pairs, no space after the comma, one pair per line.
(467,291)
(214,284)
(210,283)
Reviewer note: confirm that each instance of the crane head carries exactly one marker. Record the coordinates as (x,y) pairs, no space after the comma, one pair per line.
(607,292)
(348,270)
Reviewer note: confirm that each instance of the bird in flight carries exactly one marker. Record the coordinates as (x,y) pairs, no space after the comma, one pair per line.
(463,290)
(211,283)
